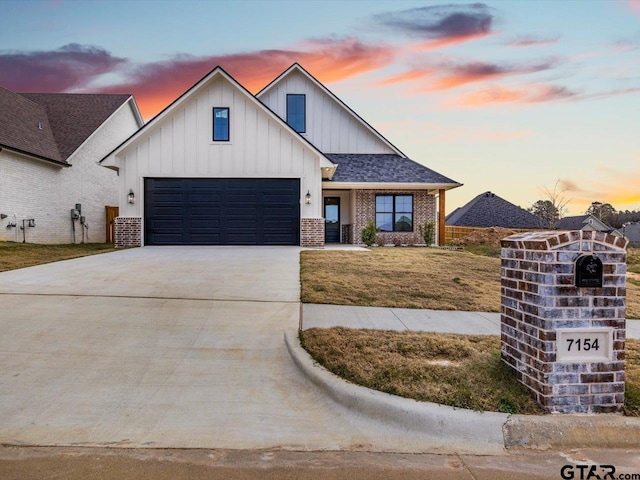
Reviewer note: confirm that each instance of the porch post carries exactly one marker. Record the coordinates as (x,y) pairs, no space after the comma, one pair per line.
(441,216)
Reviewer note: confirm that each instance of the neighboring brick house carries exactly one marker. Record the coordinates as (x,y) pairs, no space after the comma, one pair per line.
(50,147)
(489,210)
(291,165)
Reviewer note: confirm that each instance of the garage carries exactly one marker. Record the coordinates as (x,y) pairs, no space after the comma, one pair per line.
(222,211)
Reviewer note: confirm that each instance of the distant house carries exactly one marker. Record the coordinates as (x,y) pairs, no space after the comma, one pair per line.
(50,146)
(586,223)
(489,210)
(632,233)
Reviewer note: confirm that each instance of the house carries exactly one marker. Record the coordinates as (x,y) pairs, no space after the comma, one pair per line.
(631,231)
(586,223)
(50,147)
(489,210)
(292,165)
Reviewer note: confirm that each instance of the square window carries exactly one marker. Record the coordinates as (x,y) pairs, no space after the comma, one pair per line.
(220,124)
(394,213)
(296,112)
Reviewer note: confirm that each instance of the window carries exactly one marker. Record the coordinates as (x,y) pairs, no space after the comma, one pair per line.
(394,213)
(220,124)
(296,112)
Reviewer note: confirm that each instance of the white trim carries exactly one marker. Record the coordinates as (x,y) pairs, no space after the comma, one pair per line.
(388,185)
(136,114)
(358,118)
(148,127)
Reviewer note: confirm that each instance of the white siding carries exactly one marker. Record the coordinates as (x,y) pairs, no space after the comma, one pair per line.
(34,189)
(329,126)
(180,145)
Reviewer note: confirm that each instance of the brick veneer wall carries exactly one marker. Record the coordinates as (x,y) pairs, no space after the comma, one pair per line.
(424,211)
(539,296)
(128,232)
(312,232)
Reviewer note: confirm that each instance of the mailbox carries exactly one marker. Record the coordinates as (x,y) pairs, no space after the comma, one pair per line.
(588,271)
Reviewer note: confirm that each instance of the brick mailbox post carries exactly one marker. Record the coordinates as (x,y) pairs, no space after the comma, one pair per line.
(563,318)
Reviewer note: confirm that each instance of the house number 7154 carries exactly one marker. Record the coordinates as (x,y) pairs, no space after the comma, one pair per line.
(582,344)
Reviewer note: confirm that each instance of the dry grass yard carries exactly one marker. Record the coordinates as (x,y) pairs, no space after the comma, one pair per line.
(402,277)
(417,278)
(20,255)
(457,370)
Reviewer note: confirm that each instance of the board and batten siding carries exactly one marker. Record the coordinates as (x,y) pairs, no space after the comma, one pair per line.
(181,145)
(329,125)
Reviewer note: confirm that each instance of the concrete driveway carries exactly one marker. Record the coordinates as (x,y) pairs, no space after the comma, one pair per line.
(167,347)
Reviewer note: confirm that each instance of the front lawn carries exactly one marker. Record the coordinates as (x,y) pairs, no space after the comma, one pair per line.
(20,255)
(417,278)
(402,277)
(458,370)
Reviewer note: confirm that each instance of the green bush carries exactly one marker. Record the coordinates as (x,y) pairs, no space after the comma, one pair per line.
(427,230)
(369,234)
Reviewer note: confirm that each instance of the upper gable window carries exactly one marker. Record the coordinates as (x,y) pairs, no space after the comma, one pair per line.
(296,112)
(220,124)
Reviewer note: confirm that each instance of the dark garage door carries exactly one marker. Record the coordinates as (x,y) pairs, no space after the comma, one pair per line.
(222,211)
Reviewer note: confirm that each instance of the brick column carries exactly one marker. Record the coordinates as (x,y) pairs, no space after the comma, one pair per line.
(542,309)
(128,231)
(312,232)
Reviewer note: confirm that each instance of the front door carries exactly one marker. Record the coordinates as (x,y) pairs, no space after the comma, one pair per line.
(332,219)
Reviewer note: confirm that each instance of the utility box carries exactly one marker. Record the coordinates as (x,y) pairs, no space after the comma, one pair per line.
(563,298)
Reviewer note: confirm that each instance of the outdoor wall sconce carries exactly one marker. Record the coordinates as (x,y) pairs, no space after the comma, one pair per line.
(131,198)
(307,198)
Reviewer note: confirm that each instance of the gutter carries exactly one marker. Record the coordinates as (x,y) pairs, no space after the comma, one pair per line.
(36,156)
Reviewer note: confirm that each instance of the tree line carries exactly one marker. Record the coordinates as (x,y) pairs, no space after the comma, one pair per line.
(552,211)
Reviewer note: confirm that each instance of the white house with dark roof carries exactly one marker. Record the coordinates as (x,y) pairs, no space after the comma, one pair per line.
(588,223)
(50,147)
(292,165)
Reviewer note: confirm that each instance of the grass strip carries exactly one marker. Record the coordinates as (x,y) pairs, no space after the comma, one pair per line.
(20,255)
(462,371)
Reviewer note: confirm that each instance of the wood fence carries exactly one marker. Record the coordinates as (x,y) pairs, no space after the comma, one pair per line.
(452,232)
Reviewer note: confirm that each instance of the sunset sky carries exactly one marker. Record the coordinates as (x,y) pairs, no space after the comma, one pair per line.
(507,96)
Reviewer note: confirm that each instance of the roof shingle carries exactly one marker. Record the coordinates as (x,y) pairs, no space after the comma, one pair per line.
(75,116)
(382,168)
(52,126)
(489,210)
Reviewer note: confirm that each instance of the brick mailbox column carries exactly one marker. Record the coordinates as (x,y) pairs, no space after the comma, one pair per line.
(563,318)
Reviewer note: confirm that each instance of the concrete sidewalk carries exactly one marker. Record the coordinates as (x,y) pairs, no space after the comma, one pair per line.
(400,319)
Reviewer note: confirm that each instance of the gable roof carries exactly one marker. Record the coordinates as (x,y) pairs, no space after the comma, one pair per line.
(52,126)
(575,222)
(296,67)
(489,210)
(75,116)
(578,222)
(383,168)
(24,127)
(218,70)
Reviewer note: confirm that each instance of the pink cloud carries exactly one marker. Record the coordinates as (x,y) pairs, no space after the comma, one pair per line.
(155,85)
(495,94)
(532,41)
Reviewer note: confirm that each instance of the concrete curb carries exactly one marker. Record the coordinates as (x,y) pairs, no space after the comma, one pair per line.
(467,427)
(572,431)
(475,430)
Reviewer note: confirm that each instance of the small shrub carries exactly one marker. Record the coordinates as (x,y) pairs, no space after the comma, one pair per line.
(397,241)
(427,231)
(369,233)
(380,240)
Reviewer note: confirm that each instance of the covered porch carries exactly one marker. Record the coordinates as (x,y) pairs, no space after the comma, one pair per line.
(399,213)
